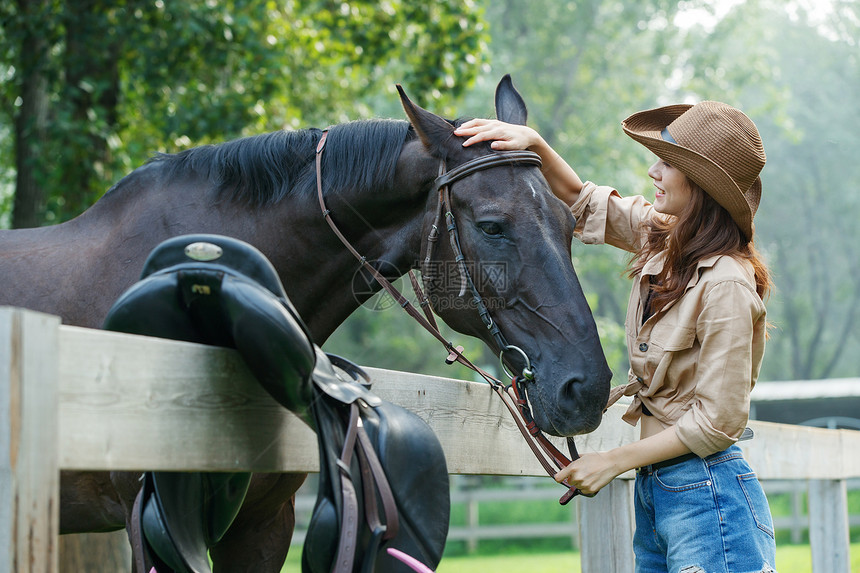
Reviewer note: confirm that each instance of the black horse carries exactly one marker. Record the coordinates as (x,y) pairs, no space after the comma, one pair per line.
(379,184)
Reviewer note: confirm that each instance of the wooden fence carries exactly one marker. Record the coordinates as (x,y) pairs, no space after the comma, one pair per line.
(81,399)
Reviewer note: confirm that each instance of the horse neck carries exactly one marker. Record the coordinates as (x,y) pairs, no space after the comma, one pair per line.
(315,268)
(384,226)
(319,273)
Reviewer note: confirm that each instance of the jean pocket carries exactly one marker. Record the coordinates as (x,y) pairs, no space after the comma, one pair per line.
(757,502)
(688,475)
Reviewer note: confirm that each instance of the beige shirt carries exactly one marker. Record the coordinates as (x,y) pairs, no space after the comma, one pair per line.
(693,363)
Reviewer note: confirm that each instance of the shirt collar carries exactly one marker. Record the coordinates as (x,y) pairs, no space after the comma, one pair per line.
(705,263)
(654,266)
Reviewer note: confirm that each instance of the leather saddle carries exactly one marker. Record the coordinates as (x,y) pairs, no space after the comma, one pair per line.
(383,479)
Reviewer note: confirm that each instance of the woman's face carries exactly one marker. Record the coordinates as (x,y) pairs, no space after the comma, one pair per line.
(673,188)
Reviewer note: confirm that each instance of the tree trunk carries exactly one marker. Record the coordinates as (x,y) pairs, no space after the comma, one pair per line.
(91,67)
(95,552)
(32,119)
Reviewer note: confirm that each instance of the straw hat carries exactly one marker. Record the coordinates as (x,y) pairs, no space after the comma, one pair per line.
(715,145)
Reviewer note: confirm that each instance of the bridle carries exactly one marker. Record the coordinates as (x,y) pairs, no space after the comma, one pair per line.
(513,396)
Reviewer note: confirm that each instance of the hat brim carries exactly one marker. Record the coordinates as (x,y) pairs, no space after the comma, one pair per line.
(646,128)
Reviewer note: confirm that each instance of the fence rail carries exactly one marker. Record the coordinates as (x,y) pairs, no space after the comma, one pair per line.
(514,491)
(74,398)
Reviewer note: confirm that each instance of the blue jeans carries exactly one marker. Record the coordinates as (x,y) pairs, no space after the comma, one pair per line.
(703,516)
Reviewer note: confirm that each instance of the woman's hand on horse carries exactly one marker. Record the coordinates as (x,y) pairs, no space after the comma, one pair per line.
(590,472)
(502,136)
(562,179)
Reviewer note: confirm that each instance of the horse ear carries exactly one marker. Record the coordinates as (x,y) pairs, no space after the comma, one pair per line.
(510,106)
(433,130)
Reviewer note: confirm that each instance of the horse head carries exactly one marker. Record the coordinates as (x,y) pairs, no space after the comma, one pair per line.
(515,238)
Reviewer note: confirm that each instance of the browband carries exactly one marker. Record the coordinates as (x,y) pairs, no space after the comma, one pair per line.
(485,162)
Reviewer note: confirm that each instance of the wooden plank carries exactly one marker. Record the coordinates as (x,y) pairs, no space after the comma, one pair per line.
(784,451)
(606,526)
(509,531)
(134,403)
(29,476)
(828,526)
(114,387)
(475,429)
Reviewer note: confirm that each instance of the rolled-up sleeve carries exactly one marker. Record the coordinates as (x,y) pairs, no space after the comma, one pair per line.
(729,329)
(604,216)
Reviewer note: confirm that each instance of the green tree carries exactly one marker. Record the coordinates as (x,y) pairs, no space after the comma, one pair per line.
(31,32)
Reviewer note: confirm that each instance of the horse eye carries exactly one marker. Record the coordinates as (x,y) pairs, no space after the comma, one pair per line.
(490,228)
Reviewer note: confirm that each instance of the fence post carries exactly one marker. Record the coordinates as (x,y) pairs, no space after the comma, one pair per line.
(606,529)
(29,476)
(473,521)
(828,526)
(796,515)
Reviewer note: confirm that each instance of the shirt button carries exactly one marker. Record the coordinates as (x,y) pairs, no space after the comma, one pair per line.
(643,347)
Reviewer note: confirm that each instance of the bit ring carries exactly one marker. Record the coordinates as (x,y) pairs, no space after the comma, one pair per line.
(528,374)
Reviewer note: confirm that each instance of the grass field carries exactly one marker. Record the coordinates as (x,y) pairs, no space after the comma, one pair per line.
(789,559)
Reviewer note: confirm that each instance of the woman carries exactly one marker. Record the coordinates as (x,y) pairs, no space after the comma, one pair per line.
(695,328)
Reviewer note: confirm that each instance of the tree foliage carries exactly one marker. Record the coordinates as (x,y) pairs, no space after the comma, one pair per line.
(125,78)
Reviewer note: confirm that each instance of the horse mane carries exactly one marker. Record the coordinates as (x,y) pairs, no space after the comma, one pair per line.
(263,169)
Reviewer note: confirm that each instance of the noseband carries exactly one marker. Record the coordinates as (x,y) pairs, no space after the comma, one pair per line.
(513,396)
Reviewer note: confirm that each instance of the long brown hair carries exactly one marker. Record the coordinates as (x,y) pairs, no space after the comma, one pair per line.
(703,229)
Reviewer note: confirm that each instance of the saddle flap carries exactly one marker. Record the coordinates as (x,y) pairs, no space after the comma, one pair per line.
(417,472)
(414,470)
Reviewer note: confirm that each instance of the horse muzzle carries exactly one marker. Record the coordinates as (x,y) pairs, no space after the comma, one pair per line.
(569,408)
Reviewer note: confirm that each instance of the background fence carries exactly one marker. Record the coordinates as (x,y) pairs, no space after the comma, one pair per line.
(513,490)
(81,399)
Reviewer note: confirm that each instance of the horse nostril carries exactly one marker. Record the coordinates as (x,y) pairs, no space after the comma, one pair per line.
(584,404)
(569,388)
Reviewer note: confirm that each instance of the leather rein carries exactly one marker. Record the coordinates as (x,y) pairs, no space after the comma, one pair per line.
(513,396)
